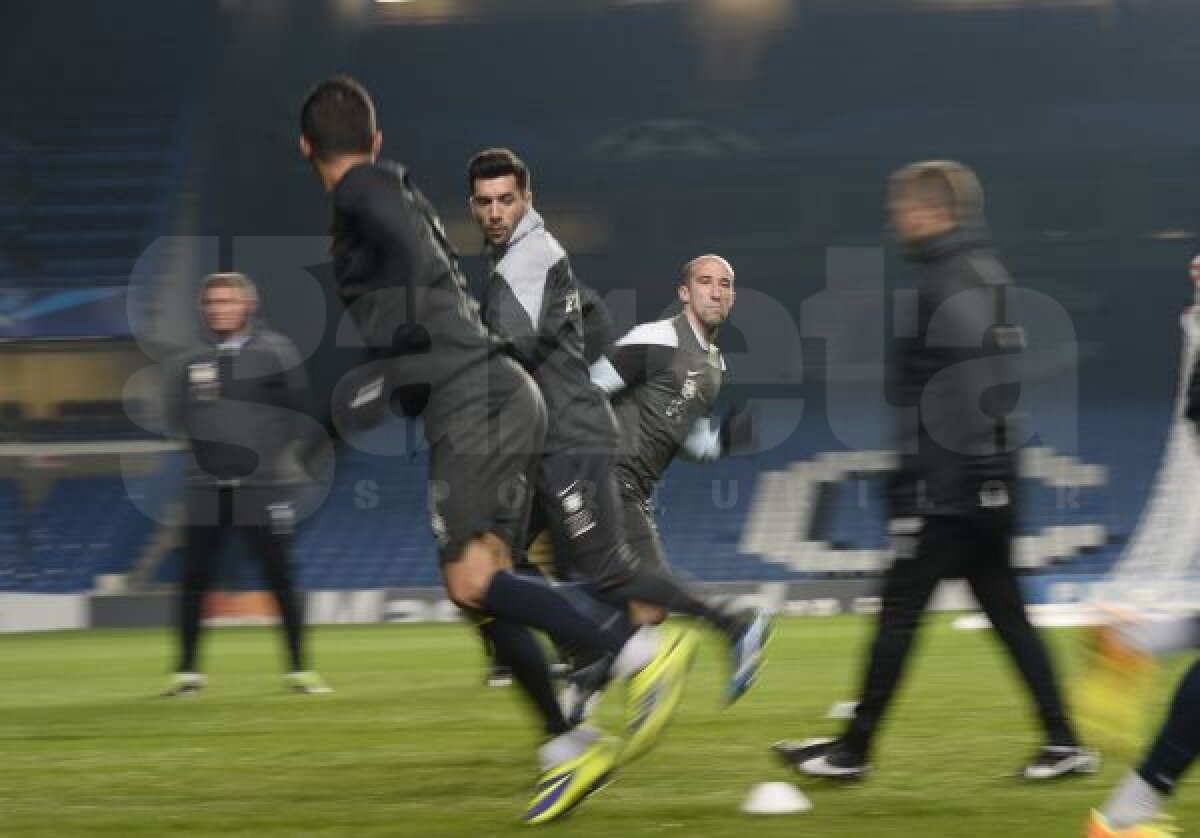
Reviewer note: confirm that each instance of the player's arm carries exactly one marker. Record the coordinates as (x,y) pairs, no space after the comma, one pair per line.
(629,362)
(597,324)
(295,378)
(914,364)
(967,355)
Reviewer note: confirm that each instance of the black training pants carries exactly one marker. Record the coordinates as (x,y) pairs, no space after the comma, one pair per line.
(978,549)
(264,515)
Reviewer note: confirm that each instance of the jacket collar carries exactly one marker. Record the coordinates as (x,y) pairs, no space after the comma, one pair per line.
(944,245)
(530,222)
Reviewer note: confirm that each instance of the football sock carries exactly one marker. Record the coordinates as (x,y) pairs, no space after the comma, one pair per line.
(515,646)
(1178,742)
(562,611)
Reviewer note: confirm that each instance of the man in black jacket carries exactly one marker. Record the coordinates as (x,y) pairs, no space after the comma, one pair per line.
(485,422)
(952,497)
(239,401)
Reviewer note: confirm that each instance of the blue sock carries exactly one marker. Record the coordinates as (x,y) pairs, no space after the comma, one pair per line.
(1179,740)
(562,611)
(516,647)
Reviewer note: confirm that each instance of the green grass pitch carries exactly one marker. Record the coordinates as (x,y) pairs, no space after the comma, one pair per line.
(412,744)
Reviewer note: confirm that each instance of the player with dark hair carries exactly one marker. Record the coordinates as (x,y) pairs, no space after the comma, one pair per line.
(484,422)
(532,300)
(952,498)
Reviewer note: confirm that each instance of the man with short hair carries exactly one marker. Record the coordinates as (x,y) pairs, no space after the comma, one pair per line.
(664,378)
(485,422)
(238,400)
(952,497)
(532,301)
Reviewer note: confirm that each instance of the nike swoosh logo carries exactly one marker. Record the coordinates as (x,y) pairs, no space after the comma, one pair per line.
(367,394)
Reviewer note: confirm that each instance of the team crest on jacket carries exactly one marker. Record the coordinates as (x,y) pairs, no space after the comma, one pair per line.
(687,392)
(202,372)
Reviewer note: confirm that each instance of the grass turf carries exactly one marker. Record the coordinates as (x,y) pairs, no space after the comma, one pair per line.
(412,744)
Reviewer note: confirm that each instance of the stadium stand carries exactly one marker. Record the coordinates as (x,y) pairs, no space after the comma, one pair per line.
(85,527)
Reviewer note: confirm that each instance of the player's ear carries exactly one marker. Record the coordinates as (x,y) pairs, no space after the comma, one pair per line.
(305,148)
(376,144)
(685,293)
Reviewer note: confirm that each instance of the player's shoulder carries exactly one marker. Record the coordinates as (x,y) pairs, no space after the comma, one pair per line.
(276,343)
(655,333)
(536,252)
(379,192)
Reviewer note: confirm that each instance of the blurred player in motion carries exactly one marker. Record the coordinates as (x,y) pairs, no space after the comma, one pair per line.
(485,423)
(1122,655)
(951,499)
(664,378)
(1132,810)
(539,556)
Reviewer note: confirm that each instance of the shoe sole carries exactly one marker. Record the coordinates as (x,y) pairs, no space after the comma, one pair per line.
(733,693)
(1081,769)
(838,774)
(785,752)
(182,692)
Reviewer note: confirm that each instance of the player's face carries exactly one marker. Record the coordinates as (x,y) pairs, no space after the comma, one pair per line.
(225,309)
(906,218)
(708,292)
(913,221)
(498,205)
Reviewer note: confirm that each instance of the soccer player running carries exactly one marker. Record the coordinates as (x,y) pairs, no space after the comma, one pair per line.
(1136,803)
(951,499)
(532,299)
(539,556)
(1132,642)
(663,379)
(531,302)
(484,422)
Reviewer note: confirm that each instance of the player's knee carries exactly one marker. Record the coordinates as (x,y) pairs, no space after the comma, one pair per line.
(643,614)
(468,577)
